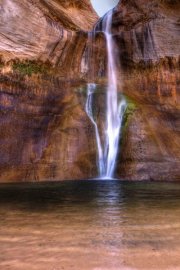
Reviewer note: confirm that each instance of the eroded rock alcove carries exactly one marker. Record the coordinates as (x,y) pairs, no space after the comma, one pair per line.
(45,133)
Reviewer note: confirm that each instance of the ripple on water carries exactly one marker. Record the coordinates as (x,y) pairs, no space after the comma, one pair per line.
(90,225)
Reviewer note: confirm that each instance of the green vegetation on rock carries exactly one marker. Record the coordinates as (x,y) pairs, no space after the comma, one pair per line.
(29,68)
(131,107)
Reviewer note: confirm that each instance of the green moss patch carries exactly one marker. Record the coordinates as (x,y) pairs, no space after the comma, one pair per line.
(131,107)
(29,68)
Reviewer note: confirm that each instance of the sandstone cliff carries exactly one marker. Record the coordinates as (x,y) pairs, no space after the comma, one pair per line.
(151,47)
(148,44)
(47,31)
(44,130)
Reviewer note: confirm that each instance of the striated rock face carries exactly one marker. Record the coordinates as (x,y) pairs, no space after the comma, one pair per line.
(45,133)
(151,51)
(46,31)
(147,39)
(44,130)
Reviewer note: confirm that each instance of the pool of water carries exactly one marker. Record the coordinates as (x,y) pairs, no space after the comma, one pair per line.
(94,225)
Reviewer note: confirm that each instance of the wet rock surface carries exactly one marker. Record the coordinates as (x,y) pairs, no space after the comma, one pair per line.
(44,131)
(147,53)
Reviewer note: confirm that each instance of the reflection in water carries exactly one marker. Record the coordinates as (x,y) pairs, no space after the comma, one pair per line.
(90,225)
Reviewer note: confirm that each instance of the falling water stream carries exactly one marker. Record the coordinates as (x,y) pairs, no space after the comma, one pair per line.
(115,108)
(91,89)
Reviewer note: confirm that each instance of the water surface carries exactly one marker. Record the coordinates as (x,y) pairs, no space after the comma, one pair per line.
(89,225)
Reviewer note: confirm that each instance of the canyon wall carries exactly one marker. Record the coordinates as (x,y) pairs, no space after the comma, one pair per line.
(52,32)
(150,48)
(45,133)
(44,130)
(147,54)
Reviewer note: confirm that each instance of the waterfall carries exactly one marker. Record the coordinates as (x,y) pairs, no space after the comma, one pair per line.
(89,104)
(115,108)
